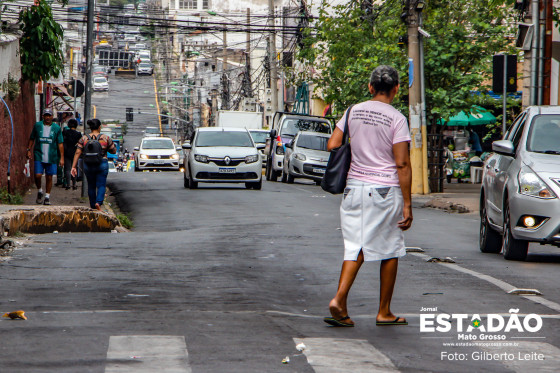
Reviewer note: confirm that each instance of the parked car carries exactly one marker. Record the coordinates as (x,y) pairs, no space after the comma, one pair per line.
(284,132)
(144,68)
(156,153)
(222,155)
(151,132)
(306,157)
(259,137)
(519,200)
(100,83)
(98,70)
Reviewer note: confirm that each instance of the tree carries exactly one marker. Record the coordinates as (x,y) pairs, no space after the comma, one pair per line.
(40,46)
(350,40)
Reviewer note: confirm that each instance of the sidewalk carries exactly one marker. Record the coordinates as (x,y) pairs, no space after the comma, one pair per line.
(457,197)
(68,212)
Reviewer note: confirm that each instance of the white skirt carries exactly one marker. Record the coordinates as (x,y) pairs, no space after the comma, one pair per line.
(369,215)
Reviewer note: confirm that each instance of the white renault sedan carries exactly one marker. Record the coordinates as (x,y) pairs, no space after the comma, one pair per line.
(222,155)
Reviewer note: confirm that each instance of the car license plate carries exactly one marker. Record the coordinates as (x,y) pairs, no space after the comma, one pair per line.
(159,161)
(227,170)
(319,170)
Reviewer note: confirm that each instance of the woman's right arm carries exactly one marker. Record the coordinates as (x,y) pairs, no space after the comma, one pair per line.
(74,171)
(336,139)
(404,171)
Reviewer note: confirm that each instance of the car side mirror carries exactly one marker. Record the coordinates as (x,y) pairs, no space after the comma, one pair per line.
(178,148)
(261,146)
(273,134)
(187,145)
(136,148)
(504,147)
(290,145)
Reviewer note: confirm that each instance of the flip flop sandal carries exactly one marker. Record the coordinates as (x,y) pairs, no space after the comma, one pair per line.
(394,322)
(338,322)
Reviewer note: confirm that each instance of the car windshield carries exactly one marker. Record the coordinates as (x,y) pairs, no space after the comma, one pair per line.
(145,65)
(152,130)
(312,142)
(99,69)
(158,144)
(100,80)
(544,135)
(224,138)
(291,127)
(259,136)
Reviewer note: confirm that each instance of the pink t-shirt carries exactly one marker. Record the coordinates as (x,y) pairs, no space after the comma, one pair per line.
(374,128)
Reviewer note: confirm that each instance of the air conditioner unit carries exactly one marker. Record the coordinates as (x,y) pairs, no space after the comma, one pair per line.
(268,91)
(269,100)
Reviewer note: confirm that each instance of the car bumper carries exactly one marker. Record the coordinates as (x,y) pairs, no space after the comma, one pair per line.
(148,72)
(308,169)
(100,89)
(277,162)
(547,215)
(158,164)
(212,173)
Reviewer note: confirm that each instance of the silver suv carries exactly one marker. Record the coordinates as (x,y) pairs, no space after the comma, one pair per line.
(519,200)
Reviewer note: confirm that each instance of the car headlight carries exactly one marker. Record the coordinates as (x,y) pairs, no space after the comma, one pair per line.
(252,158)
(300,156)
(532,185)
(201,158)
(175,156)
(143,156)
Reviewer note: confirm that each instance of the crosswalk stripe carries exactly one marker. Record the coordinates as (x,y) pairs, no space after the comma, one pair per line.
(525,357)
(147,353)
(336,355)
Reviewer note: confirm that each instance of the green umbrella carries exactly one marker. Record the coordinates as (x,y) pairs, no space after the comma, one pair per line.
(478,116)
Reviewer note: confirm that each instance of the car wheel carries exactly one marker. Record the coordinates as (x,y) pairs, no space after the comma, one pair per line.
(489,241)
(318,182)
(284,179)
(185,181)
(513,249)
(273,174)
(257,185)
(290,178)
(192,184)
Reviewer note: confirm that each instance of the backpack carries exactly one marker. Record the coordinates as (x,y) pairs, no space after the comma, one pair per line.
(93,151)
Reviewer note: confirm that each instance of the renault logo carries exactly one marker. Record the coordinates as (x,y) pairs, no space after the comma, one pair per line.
(227,160)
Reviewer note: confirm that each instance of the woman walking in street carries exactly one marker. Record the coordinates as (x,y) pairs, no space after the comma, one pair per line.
(96,165)
(376,207)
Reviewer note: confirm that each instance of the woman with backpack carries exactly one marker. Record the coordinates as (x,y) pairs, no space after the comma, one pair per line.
(94,147)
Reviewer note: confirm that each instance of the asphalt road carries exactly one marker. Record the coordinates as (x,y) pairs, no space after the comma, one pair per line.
(224,279)
(241,277)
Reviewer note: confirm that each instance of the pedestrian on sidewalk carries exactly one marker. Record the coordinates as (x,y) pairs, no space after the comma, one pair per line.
(376,206)
(96,166)
(48,151)
(474,140)
(71,137)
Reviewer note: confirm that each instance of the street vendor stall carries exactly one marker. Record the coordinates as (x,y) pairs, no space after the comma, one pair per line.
(459,154)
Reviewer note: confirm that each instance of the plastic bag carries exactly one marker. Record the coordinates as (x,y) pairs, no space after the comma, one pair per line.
(27,169)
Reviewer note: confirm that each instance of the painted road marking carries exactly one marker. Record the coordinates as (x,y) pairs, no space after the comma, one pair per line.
(147,353)
(337,355)
(525,357)
(499,283)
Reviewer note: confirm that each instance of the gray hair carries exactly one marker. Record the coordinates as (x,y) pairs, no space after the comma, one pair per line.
(384,78)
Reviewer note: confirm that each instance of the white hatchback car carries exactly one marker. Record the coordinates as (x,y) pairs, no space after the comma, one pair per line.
(156,153)
(222,155)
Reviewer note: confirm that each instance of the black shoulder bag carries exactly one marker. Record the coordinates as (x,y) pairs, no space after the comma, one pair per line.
(334,180)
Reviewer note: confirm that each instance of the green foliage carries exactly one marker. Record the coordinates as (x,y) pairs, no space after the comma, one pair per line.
(118,3)
(9,198)
(343,50)
(11,87)
(125,221)
(40,45)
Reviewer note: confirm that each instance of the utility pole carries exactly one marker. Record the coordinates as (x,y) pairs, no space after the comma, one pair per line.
(89,61)
(248,87)
(225,80)
(417,128)
(272,58)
